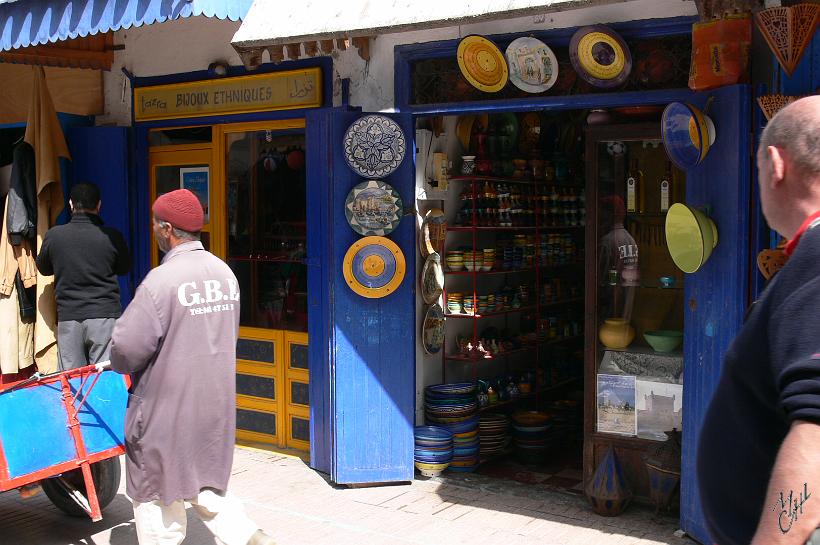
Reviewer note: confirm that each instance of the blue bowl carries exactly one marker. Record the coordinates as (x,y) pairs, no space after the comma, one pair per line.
(432,433)
(685,135)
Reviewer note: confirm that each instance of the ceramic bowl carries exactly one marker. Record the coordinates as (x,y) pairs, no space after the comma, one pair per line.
(666,281)
(663,340)
(431,470)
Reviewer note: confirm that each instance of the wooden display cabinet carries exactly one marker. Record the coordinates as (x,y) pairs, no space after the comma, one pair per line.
(614,290)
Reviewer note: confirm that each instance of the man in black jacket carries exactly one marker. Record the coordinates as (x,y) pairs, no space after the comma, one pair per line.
(759,449)
(85,258)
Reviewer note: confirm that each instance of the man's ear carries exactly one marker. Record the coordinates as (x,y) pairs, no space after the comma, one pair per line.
(777,165)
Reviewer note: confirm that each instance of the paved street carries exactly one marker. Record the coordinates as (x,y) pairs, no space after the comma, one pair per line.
(299,507)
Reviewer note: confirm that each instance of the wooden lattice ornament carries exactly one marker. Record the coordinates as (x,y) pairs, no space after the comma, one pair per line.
(788,31)
(771,260)
(771,104)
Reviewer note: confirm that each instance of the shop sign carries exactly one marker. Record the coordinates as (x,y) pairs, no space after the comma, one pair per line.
(243,94)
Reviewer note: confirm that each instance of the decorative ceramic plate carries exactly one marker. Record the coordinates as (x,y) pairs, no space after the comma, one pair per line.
(433,232)
(600,56)
(373,208)
(374,267)
(482,64)
(374,146)
(432,279)
(533,66)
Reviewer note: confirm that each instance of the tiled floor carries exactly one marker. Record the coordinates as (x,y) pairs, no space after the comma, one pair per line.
(299,506)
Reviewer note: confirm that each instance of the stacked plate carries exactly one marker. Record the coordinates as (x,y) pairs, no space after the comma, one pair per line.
(531,433)
(434,450)
(493,432)
(454,407)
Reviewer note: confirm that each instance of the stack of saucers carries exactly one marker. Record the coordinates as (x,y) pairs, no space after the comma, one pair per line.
(454,407)
(434,450)
(530,431)
(493,433)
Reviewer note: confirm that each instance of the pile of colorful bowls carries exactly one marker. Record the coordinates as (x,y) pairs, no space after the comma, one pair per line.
(493,433)
(531,435)
(454,260)
(473,260)
(489,259)
(454,407)
(454,302)
(434,450)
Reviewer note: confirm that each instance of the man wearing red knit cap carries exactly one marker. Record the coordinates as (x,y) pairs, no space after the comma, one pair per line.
(177,340)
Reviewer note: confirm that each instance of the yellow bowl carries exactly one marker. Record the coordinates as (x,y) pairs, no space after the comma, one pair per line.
(690,236)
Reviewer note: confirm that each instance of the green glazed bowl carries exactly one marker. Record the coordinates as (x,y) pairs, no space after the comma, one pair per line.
(664,340)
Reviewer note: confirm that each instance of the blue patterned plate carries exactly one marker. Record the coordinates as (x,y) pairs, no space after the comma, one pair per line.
(374,146)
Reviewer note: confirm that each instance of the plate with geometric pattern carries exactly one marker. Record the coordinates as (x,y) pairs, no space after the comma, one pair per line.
(374,146)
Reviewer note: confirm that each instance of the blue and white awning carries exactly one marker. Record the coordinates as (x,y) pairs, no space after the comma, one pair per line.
(36,22)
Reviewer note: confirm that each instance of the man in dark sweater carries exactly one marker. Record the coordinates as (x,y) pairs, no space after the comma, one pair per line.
(759,450)
(85,258)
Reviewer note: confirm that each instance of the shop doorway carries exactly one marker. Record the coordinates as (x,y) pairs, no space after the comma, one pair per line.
(250,178)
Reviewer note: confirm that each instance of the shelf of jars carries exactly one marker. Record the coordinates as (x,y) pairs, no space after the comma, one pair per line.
(499,203)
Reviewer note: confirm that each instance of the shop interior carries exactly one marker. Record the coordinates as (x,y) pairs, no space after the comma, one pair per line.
(557,281)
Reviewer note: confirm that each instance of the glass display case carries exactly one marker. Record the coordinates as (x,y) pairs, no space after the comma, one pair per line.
(634,329)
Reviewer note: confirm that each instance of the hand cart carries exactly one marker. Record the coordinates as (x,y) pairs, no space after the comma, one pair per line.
(66,431)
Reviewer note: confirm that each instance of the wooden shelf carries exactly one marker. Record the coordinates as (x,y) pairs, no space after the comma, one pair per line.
(563,302)
(503,180)
(522,397)
(490,314)
(490,272)
(498,356)
(465,228)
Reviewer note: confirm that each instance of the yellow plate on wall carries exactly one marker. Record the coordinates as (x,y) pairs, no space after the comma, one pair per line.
(482,64)
(374,267)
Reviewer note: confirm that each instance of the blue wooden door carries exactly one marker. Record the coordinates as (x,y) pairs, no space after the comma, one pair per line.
(100,155)
(361,351)
(717,295)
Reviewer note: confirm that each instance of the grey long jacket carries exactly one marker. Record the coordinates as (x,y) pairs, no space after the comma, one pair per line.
(177,339)
(21,220)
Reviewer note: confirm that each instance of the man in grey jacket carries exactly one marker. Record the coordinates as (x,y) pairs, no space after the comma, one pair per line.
(177,340)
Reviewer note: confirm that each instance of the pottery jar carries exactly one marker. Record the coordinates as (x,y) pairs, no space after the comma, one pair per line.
(467,164)
(616,333)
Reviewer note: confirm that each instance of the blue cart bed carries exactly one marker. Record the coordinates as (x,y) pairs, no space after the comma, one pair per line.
(59,425)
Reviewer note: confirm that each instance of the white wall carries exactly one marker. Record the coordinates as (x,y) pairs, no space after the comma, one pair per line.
(184,45)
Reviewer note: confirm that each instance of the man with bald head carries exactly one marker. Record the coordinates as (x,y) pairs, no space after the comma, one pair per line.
(759,451)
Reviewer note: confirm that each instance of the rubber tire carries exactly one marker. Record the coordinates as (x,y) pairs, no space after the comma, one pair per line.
(106,475)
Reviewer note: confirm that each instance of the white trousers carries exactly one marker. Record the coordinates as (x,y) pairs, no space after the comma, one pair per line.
(159,524)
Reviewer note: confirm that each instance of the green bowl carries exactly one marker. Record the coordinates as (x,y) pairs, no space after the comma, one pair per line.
(664,340)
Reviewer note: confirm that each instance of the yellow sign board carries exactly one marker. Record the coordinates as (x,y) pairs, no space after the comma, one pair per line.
(238,95)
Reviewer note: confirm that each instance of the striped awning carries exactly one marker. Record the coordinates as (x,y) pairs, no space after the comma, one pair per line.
(37,22)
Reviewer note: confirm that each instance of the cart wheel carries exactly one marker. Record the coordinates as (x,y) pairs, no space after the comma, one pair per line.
(106,475)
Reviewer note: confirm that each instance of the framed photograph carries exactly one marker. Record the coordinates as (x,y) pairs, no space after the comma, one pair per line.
(196,180)
(616,404)
(660,408)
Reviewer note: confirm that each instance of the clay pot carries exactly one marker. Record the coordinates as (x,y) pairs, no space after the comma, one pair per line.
(616,333)
(484,166)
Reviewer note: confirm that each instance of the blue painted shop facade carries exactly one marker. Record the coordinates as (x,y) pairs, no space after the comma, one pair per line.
(336,373)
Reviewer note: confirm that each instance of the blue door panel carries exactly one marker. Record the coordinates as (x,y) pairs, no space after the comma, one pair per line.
(370,350)
(716,296)
(100,155)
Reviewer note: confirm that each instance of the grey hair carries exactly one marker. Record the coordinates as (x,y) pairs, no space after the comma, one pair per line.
(796,130)
(179,233)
